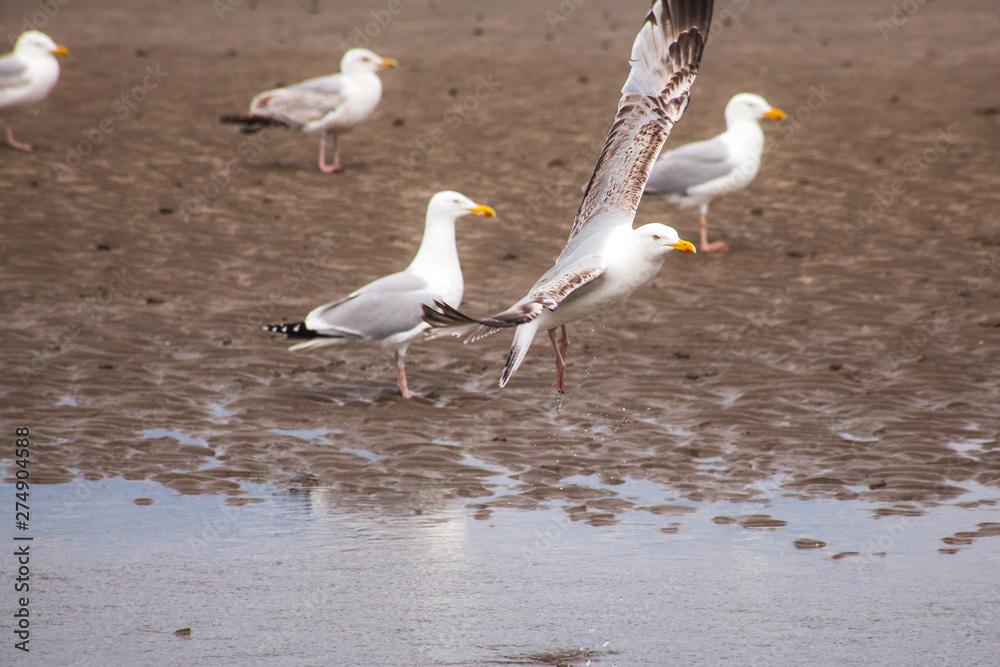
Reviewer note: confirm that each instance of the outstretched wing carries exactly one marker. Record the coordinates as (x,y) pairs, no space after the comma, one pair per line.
(665,58)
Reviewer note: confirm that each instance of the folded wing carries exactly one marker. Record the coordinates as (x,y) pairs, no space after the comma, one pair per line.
(12,72)
(677,171)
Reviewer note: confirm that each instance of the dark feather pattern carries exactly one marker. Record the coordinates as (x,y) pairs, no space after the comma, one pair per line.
(548,295)
(646,116)
(251,122)
(292,330)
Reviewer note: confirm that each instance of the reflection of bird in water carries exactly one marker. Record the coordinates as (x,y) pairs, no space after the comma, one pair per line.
(27,76)
(695,174)
(605,259)
(324,105)
(386,312)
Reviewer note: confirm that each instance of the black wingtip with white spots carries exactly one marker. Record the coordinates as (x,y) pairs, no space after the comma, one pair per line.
(292,330)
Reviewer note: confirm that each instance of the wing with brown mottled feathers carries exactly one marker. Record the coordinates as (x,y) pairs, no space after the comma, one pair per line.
(665,58)
(547,294)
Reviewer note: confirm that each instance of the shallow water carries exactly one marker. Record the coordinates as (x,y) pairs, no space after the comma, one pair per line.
(316,577)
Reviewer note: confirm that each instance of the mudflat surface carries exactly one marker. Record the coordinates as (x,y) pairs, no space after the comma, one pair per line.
(847,346)
(827,350)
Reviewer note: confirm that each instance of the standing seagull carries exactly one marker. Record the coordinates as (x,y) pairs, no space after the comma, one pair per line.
(386,312)
(27,76)
(605,259)
(325,105)
(697,173)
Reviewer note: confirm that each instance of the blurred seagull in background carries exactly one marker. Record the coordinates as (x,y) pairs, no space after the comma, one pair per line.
(387,312)
(325,105)
(605,259)
(697,173)
(27,76)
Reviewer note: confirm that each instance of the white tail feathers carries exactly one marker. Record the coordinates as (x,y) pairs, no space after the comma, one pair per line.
(523,336)
(321,341)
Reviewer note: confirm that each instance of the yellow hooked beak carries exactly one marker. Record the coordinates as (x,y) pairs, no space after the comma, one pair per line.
(683,246)
(775,114)
(387,63)
(60,51)
(484,211)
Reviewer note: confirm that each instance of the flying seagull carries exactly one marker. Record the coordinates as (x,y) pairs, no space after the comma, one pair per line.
(605,259)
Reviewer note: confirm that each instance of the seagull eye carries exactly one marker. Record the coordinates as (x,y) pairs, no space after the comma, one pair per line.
(656,237)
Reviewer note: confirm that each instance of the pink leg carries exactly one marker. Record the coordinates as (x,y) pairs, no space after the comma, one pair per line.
(14,143)
(323,166)
(560,349)
(705,245)
(401,376)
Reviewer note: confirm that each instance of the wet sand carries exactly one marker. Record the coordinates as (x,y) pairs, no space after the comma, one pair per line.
(847,347)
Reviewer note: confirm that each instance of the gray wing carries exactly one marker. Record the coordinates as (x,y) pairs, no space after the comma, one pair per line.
(380,309)
(665,58)
(12,71)
(326,85)
(301,103)
(678,170)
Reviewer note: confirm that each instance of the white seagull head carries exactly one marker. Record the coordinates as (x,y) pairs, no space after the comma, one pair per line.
(747,106)
(357,61)
(658,240)
(34,43)
(451,205)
